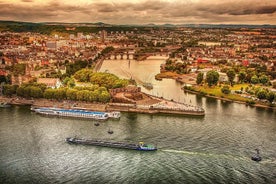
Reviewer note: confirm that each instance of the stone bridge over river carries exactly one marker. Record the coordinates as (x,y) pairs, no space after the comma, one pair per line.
(137,54)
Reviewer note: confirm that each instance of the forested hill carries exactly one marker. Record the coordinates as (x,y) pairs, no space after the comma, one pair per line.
(53,27)
(28,27)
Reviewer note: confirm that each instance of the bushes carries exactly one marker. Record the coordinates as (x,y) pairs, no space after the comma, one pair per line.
(225,89)
(250,102)
(202,93)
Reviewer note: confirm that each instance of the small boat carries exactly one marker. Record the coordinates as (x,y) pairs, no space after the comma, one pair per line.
(140,146)
(110,131)
(97,124)
(148,85)
(5,104)
(114,114)
(256,157)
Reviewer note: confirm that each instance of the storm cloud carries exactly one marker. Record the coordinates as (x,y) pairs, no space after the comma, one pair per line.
(141,12)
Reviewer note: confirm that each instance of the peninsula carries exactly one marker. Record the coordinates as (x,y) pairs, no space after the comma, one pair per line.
(129,99)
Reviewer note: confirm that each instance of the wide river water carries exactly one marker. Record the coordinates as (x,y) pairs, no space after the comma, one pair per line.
(216,148)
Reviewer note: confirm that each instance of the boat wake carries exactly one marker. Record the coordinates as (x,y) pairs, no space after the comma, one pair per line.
(207,154)
(269,161)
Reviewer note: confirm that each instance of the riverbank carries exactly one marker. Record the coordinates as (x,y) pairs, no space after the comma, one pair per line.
(229,100)
(152,105)
(190,79)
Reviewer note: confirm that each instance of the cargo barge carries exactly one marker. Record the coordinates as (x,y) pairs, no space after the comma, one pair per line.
(141,146)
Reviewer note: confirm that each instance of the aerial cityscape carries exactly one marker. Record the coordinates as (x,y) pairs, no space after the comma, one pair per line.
(193,83)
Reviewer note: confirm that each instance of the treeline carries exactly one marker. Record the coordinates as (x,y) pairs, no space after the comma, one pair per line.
(88,94)
(72,68)
(32,27)
(243,76)
(96,91)
(17,69)
(44,28)
(106,80)
(262,93)
(93,93)
(178,67)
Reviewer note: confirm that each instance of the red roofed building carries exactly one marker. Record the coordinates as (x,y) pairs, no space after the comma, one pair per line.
(43,63)
(245,63)
(200,60)
(2,72)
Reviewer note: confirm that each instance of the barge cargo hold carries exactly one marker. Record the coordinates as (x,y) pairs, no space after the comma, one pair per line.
(80,113)
(141,146)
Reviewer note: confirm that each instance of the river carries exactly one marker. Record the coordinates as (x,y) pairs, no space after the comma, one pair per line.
(216,148)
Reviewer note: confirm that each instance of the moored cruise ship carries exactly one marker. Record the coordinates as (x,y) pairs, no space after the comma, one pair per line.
(80,113)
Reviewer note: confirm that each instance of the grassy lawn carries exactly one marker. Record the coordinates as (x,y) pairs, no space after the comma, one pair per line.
(216,91)
(238,86)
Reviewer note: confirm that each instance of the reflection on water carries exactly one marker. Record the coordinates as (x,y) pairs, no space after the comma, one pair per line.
(190,149)
(145,71)
(216,148)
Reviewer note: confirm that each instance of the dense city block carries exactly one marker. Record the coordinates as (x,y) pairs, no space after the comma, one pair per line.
(44,60)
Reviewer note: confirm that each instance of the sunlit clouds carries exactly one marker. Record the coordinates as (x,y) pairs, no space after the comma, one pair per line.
(141,12)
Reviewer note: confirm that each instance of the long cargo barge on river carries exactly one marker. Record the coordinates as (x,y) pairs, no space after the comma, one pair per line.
(141,146)
(80,113)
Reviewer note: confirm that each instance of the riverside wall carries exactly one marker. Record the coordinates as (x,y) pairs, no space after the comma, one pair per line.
(99,106)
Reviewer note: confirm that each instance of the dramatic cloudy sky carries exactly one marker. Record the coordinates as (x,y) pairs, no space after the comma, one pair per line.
(141,11)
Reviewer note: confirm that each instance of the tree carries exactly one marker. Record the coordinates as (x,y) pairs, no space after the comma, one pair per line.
(231,75)
(105,80)
(94,95)
(20,91)
(83,95)
(104,96)
(71,83)
(254,79)
(3,79)
(65,81)
(121,83)
(9,90)
(271,96)
(19,69)
(225,89)
(83,75)
(199,78)
(72,68)
(212,77)
(35,92)
(49,93)
(241,76)
(60,93)
(263,79)
(249,75)
(261,94)
(71,94)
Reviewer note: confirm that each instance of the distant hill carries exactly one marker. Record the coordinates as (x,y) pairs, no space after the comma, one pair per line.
(50,27)
(226,26)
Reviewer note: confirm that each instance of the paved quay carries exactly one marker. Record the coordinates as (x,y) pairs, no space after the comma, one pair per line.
(151,105)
